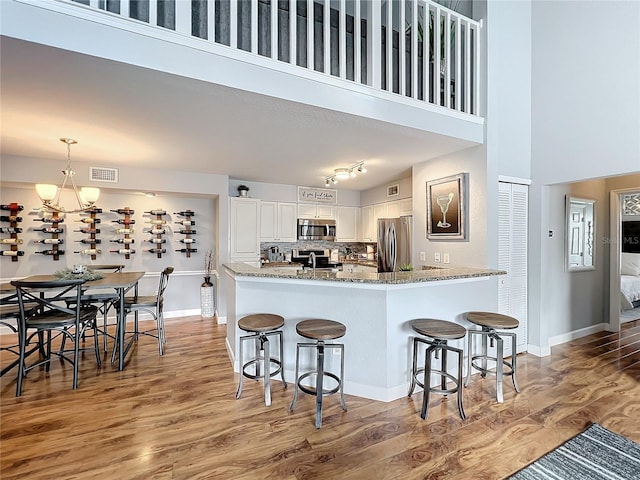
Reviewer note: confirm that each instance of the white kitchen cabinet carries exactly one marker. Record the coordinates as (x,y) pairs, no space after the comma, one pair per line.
(244,230)
(406,207)
(392,210)
(368,230)
(347,219)
(278,222)
(307,210)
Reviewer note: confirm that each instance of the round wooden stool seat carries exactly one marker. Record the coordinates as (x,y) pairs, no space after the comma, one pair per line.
(319,329)
(438,329)
(492,320)
(261,322)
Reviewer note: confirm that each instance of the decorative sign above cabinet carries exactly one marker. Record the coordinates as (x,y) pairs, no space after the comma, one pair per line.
(317,195)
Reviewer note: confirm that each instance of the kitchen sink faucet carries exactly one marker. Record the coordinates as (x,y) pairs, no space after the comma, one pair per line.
(312,260)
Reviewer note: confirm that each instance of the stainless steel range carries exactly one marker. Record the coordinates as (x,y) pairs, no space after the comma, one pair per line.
(322,259)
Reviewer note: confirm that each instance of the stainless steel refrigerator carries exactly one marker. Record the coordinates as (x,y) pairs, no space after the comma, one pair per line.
(394,243)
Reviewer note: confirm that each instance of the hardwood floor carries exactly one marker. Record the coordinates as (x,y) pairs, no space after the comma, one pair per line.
(176,417)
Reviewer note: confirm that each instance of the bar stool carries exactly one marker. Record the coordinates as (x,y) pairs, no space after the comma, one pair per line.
(490,322)
(320,330)
(440,331)
(262,326)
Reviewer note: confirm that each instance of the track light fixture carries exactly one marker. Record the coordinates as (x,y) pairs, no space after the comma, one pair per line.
(344,173)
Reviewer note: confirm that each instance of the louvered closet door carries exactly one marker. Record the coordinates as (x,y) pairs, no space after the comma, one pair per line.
(513,202)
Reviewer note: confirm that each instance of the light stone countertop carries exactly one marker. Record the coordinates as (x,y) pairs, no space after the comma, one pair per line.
(431,274)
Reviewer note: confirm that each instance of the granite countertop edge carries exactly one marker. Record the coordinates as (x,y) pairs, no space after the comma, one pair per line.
(418,276)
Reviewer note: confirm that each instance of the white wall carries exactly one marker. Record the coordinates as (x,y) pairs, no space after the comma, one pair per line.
(379,194)
(585,89)
(471,252)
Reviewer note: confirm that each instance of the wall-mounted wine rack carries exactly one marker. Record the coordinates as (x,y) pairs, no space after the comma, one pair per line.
(53,219)
(13,229)
(126,229)
(187,229)
(157,229)
(92,222)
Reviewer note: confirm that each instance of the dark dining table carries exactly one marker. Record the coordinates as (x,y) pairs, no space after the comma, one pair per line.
(121,282)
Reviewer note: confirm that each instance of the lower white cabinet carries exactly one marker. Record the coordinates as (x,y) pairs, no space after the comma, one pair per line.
(347,219)
(278,222)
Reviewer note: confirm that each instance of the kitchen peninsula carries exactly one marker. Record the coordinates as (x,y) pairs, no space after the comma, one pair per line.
(375,307)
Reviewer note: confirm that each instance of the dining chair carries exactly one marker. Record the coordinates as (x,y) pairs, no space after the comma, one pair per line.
(104,301)
(9,313)
(153,305)
(53,315)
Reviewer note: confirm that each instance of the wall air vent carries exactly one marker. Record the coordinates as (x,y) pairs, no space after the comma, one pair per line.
(103,174)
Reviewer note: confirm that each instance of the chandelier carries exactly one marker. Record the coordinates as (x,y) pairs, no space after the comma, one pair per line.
(50,194)
(344,173)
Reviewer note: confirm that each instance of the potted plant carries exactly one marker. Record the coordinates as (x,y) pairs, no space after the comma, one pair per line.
(406,267)
(243,190)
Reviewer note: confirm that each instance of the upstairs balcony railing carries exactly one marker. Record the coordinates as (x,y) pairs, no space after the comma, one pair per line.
(355,40)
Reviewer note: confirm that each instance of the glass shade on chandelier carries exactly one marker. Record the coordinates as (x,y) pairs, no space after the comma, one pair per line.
(50,195)
(340,174)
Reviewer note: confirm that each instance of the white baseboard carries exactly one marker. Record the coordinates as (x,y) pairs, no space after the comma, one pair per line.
(583,332)
(539,351)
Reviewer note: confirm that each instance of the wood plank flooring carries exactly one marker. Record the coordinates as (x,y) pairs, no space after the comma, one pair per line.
(176,417)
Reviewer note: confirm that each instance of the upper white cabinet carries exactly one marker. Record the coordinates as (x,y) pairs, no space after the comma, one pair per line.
(392,210)
(278,222)
(406,207)
(244,230)
(347,224)
(368,224)
(307,210)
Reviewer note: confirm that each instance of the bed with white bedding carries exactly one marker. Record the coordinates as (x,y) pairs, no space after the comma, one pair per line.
(630,280)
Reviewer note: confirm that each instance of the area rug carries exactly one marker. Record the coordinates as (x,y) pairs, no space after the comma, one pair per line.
(595,454)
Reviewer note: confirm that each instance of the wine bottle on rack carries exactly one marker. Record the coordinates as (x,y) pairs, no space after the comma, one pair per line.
(50,220)
(89,220)
(88,231)
(124,240)
(126,231)
(156,250)
(157,240)
(10,253)
(186,213)
(124,221)
(50,252)
(157,222)
(51,241)
(124,211)
(89,240)
(186,223)
(185,232)
(12,241)
(157,231)
(89,251)
(185,250)
(157,212)
(11,206)
(94,210)
(187,240)
(10,230)
(10,218)
(125,251)
(49,230)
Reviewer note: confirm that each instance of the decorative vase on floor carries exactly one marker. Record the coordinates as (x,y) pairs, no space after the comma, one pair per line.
(207,303)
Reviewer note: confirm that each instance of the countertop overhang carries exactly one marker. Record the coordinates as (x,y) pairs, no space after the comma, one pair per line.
(430,274)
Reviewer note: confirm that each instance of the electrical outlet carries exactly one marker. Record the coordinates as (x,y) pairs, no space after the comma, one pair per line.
(423,256)
(445,258)
(436,257)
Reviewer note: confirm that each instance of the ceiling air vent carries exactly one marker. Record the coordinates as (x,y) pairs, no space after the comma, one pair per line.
(102,174)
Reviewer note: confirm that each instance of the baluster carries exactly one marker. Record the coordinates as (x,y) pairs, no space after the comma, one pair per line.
(467,68)
(476,70)
(326,24)
(124,8)
(357,43)
(458,38)
(275,25)
(233,24)
(310,43)
(447,59)
(211,21)
(437,54)
(389,46)
(183,18)
(414,49)
(254,27)
(293,31)
(402,50)
(374,40)
(342,40)
(153,13)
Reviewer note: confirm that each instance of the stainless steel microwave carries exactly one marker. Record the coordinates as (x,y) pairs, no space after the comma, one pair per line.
(316,229)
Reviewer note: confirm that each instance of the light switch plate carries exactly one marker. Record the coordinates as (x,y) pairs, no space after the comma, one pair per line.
(423,256)
(436,257)
(445,258)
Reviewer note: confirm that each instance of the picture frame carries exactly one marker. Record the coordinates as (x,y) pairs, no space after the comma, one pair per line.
(393,190)
(447,207)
